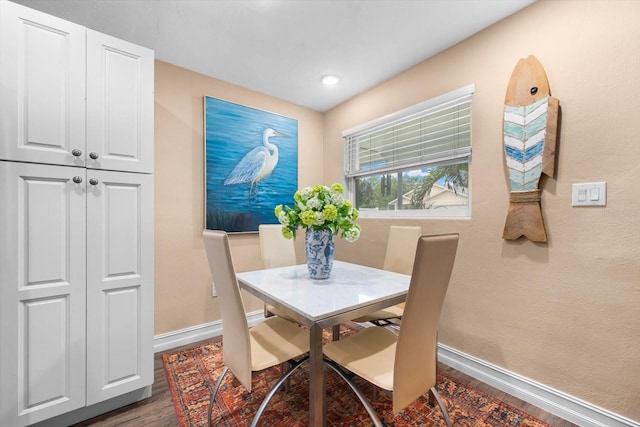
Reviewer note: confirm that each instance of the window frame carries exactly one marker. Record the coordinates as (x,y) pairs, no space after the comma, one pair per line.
(431,106)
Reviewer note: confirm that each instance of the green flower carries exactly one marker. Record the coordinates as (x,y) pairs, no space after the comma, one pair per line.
(308,218)
(354,214)
(330,213)
(287,233)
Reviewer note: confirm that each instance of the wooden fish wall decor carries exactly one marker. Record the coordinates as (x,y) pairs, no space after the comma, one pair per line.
(529,129)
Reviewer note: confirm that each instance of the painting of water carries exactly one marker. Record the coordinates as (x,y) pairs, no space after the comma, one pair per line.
(251,165)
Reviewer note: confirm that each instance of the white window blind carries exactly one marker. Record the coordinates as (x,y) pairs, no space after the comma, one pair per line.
(434,132)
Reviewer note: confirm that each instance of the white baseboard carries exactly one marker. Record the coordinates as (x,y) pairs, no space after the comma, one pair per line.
(553,401)
(197,333)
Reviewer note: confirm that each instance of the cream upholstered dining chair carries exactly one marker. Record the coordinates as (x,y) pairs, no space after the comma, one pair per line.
(404,364)
(246,350)
(276,251)
(401,250)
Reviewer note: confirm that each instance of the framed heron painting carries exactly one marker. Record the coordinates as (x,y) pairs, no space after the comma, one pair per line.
(251,165)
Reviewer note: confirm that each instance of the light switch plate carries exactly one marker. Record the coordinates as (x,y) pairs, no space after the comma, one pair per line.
(589,194)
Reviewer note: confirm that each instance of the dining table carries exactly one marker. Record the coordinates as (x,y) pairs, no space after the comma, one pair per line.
(352,290)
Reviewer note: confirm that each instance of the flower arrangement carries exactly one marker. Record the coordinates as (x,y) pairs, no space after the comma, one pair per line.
(320,208)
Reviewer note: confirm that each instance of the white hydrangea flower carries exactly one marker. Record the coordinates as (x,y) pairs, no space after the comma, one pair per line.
(305,193)
(337,199)
(284,219)
(314,203)
(352,235)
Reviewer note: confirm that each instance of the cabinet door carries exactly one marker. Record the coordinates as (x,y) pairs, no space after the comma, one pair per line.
(119,104)
(42,87)
(42,292)
(119,283)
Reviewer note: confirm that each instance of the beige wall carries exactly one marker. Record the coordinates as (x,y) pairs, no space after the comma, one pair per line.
(183,282)
(566,313)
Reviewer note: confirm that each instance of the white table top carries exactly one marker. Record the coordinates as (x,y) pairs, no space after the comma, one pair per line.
(349,287)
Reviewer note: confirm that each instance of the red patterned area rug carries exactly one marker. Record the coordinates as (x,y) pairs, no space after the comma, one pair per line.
(188,372)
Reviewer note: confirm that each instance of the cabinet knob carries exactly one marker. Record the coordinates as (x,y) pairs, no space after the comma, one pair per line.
(77,179)
(76,152)
(94,155)
(93,181)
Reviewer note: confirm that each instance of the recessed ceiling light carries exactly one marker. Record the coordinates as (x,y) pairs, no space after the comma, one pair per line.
(330,80)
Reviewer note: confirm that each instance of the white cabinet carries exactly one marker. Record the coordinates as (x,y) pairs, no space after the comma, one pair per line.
(61,302)
(76,218)
(64,308)
(48,67)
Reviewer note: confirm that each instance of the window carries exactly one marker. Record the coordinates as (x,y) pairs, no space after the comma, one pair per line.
(415,162)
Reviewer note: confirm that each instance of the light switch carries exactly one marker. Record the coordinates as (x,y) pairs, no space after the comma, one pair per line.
(589,194)
(582,194)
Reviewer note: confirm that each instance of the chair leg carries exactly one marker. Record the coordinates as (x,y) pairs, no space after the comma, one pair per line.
(433,392)
(432,399)
(214,392)
(287,383)
(356,390)
(294,365)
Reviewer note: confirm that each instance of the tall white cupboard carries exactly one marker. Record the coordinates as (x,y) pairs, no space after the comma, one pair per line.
(76,220)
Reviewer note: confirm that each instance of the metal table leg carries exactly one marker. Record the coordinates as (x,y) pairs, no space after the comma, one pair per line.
(316,379)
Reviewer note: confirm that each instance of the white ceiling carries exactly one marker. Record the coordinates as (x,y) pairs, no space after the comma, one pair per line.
(283,47)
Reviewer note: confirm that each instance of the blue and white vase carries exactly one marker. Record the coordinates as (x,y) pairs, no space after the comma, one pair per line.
(320,247)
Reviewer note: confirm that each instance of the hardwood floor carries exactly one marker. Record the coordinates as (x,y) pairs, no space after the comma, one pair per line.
(513,401)
(157,411)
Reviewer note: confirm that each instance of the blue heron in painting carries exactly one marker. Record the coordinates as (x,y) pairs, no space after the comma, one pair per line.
(257,164)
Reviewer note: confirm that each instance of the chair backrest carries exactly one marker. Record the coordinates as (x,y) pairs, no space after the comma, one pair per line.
(236,348)
(275,249)
(401,248)
(415,360)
